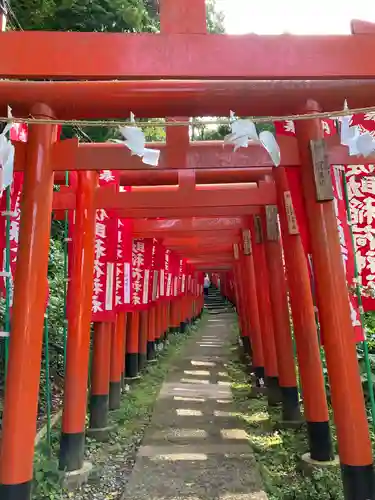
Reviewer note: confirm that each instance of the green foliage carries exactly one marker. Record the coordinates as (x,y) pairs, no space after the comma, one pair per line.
(215,18)
(278,453)
(47,480)
(129,422)
(84,15)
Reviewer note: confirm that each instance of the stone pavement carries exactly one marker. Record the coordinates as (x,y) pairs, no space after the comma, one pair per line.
(195,447)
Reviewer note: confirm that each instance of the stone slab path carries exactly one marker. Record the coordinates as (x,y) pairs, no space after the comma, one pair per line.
(195,447)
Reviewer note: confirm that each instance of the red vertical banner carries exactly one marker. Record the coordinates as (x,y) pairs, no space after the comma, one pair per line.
(124,264)
(183,276)
(106,234)
(157,266)
(175,269)
(15,216)
(141,273)
(160,258)
(361,194)
(168,274)
(346,248)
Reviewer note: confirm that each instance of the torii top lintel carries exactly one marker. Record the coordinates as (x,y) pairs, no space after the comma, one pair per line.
(184,51)
(56,55)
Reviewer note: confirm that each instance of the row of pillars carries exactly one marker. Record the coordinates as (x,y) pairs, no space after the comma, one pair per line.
(273,275)
(120,350)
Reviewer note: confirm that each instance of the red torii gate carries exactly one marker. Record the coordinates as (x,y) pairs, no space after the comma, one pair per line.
(165,56)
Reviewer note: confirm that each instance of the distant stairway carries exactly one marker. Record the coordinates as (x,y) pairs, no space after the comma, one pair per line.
(215,302)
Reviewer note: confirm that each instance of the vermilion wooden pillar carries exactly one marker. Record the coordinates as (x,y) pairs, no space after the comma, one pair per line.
(174,316)
(244,294)
(143,337)
(126,315)
(280,314)
(165,307)
(79,319)
(155,327)
(240,305)
(265,311)
(159,327)
(334,312)
(117,360)
(253,311)
(22,382)
(183,17)
(132,346)
(184,315)
(100,374)
(151,334)
(306,336)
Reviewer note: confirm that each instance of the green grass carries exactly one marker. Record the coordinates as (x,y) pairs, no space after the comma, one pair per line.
(130,422)
(278,452)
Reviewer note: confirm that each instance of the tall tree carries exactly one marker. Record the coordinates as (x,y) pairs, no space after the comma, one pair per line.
(215,18)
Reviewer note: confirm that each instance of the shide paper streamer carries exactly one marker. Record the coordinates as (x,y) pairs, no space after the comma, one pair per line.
(360,142)
(244,132)
(6,157)
(135,141)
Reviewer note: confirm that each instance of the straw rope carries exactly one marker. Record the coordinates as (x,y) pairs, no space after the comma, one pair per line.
(171,123)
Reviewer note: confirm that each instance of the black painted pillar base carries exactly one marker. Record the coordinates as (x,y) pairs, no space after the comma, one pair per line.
(320,444)
(183,326)
(246,345)
(259,376)
(114,395)
(98,411)
(150,350)
(291,410)
(358,482)
(72,450)
(142,360)
(131,364)
(273,393)
(159,345)
(20,491)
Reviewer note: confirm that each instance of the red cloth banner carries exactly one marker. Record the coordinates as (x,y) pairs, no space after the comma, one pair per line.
(361,193)
(141,273)
(124,261)
(123,264)
(15,216)
(20,131)
(106,234)
(365,122)
(174,265)
(285,127)
(168,274)
(346,248)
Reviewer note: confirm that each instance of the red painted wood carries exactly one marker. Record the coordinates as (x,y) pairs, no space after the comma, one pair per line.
(178,16)
(139,56)
(147,99)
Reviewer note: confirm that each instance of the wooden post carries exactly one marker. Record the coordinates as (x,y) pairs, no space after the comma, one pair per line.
(264,304)
(308,353)
(151,334)
(21,402)
(354,444)
(117,359)
(143,336)
(100,375)
(280,313)
(252,308)
(132,346)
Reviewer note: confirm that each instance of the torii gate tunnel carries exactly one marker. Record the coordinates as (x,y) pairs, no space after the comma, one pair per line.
(217,208)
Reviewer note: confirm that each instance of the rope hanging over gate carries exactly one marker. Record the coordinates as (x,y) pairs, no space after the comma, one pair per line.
(172,123)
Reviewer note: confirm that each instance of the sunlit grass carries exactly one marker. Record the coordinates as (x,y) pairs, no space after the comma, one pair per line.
(278,453)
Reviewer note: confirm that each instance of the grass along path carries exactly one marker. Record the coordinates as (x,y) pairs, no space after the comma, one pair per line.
(278,452)
(113,461)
